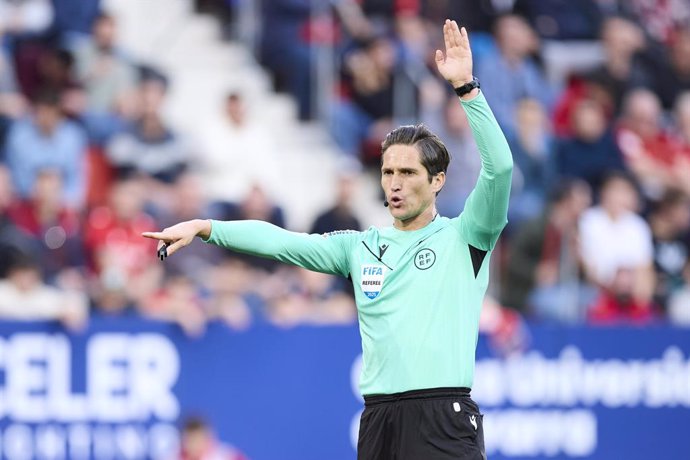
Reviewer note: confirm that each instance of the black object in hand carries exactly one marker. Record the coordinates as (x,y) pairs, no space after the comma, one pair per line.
(163,251)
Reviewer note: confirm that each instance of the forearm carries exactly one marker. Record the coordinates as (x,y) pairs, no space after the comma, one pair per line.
(493,146)
(486,209)
(257,238)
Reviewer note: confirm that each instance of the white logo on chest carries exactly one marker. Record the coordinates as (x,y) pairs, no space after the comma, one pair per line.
(372,279)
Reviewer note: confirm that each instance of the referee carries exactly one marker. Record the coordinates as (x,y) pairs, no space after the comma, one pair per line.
(418,284)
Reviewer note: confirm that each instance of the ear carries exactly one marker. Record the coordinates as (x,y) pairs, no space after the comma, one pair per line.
(438,181)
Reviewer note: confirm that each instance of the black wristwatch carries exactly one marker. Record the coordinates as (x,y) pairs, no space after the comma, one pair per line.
(467,87)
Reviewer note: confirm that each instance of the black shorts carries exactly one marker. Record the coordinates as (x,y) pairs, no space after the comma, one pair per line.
(434,424)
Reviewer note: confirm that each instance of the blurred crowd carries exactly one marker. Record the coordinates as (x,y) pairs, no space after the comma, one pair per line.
(593,95)
(88,162)
(594,98)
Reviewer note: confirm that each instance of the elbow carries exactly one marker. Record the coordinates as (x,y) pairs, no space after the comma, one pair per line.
(504,170)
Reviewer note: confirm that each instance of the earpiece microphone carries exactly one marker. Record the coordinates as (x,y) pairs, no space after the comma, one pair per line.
(385,203)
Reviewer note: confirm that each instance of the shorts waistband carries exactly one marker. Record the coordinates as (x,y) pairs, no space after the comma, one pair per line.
(430,393)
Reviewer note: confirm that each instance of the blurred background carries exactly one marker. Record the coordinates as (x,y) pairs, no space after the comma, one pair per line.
(123,116)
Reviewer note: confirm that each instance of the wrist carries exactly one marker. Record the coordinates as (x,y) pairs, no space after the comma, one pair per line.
(461,81)
(468,90)
(203,228)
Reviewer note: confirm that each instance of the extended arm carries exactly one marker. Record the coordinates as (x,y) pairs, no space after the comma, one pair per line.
(486,209)
(326,254)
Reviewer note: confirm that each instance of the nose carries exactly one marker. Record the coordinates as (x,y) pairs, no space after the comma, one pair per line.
(396,183)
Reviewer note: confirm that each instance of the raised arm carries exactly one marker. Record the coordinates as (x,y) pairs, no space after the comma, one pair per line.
(486,209)
(326,254)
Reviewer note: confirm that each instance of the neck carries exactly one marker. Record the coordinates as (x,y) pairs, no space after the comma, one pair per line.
(421,220)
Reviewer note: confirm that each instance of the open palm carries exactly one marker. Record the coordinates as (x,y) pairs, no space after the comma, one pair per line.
(456,65)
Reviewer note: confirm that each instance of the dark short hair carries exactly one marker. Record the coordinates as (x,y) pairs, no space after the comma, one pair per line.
(47,97)
(670,199)
(619,176)
(432,152)
(194,423)
(564,189)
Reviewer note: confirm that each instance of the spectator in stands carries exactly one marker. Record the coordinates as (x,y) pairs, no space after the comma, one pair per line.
(8,81)
(648,150)
(617,253)
(661,20)
(74,20)
(24,18)
(363,118)
(103,68)
(150,147)
(310,298)
(228,171)
(13,242)
(340,216)
(542,277)
(476,16)
(256,205)
(234,293)
(46,140)
(682,135)
(12,106)
(186,200)
(510,74)
(670,224)
(622,68)
(199,442)
(679,303)
(178,300)
(562,19)
(285,48)
(54,228)
(591,152)
(23,296)
(532,146)
(124,267)
(674,78)
(452,126)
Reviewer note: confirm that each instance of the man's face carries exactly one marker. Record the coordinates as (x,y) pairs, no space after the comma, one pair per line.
(406,184)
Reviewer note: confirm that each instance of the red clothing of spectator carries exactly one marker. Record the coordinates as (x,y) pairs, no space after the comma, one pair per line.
(609,309)
(661,148)
(108,236)
(578,89)
(25,216)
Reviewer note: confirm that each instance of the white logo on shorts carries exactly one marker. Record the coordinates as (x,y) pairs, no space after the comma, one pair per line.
(473,421)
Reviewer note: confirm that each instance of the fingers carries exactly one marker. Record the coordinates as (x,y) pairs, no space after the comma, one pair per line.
(453,36)
(446,35)
(455,33)
(153,235)
(172,248)
(439,56)
(464,39)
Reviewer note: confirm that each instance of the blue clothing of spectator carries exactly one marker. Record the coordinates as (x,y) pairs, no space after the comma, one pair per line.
(562,19)
(5,123)
(74,16)
(29,151)
(507,83)
(590,161)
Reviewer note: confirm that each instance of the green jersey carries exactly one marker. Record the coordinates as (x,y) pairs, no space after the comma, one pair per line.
(418,293)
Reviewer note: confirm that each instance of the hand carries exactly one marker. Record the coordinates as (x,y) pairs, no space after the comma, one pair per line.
(456,66)
(180,235)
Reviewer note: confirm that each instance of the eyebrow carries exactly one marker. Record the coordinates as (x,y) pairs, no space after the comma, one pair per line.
(402,170)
